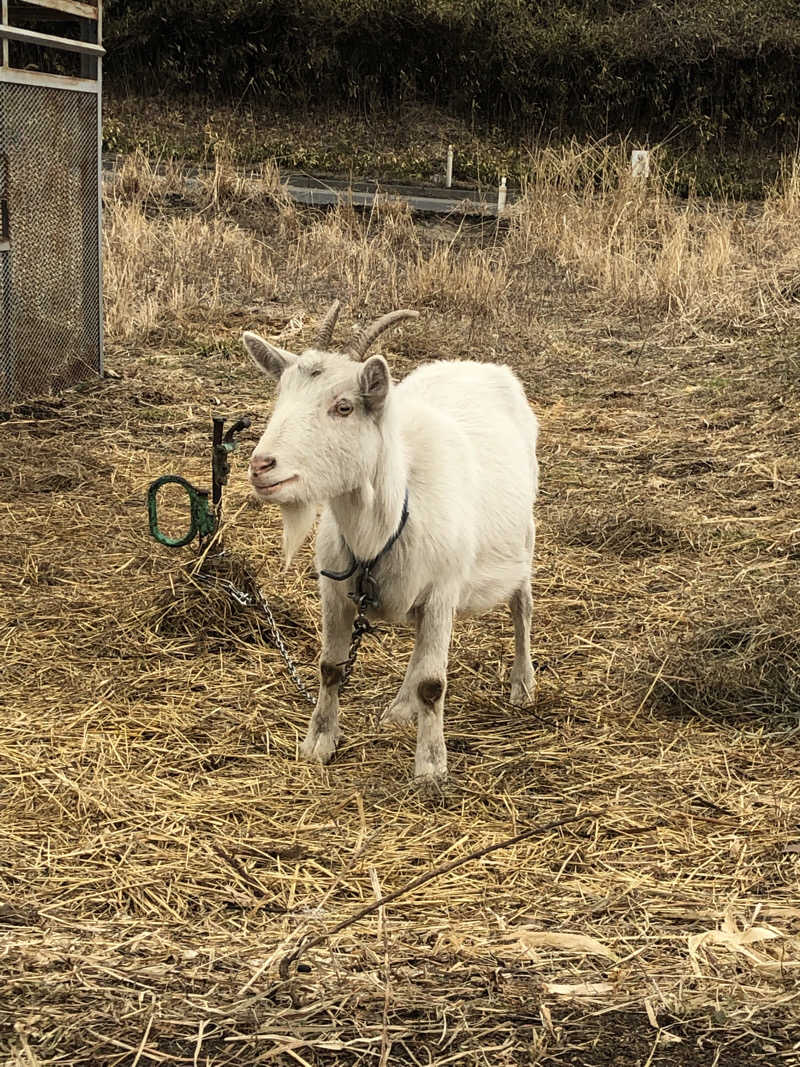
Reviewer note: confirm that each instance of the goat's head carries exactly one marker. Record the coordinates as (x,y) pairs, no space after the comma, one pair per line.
(324,434)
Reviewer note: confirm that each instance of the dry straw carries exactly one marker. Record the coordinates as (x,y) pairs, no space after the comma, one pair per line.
(163,848)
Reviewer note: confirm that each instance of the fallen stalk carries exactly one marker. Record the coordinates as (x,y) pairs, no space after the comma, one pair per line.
(422,879)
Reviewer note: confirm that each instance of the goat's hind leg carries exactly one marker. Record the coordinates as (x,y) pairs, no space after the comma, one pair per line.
(338,613)
(523,679)
(404,707)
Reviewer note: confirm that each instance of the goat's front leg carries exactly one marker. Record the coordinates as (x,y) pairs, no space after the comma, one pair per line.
(428,678)
(523,680)
(338,613)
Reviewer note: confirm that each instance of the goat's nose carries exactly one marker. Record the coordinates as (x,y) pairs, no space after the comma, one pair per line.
(261,464)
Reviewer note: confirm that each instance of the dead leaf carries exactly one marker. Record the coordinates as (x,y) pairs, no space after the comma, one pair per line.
(779,911)
(580,989)
(546,1017)
(651,1013)
(778,967)
(582,943)
(735,940)
(666,1038)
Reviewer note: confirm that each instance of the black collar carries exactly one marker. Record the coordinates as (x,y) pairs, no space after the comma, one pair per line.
(365,566)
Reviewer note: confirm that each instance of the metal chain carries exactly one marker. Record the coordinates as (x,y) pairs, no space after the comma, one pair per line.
(247,600)
(361,626)
(284,651)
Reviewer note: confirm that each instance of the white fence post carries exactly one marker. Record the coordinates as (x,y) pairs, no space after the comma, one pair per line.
(640,163)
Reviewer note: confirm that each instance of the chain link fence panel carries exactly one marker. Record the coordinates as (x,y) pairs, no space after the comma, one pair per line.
(50,302)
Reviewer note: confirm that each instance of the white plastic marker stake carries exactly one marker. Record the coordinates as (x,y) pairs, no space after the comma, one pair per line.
(640,164)
(448,174)
(501,197)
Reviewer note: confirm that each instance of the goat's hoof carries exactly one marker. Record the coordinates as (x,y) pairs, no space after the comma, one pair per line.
(431,787)
(523,693)
(399,711)
(429,775)
(318,748)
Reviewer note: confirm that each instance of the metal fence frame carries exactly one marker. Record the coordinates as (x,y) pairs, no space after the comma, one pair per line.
(91,51)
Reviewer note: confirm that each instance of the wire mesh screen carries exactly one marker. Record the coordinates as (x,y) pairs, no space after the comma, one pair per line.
(50,271)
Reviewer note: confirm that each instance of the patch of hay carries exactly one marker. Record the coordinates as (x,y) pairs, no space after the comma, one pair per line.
(749,667)
(625,536)
(199,610)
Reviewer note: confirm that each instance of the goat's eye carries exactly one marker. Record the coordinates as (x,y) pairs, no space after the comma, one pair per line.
(343,408)
(315,373)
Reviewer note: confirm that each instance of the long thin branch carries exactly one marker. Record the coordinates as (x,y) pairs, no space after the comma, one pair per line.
(421,879)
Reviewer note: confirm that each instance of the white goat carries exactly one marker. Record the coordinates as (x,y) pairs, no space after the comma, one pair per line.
(452,450)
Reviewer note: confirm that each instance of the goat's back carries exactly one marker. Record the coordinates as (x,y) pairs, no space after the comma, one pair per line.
(472,440)
(488,404)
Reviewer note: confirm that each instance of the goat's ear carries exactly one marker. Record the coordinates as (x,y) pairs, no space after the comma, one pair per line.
(374,381)
(268,358)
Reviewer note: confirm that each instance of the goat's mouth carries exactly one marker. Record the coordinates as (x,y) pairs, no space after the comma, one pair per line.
(270,488)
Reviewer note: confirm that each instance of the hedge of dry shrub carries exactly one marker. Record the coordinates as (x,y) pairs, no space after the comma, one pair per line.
(718,68)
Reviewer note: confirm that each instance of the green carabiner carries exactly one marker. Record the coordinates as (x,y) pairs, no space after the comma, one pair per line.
(203,520)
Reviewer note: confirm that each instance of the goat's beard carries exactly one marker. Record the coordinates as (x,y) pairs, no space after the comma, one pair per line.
(298,519)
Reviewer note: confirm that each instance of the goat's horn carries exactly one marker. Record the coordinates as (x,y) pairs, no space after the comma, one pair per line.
(358,348)
(325,332)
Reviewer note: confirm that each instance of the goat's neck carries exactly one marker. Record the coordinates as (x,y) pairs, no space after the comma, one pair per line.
(368,516)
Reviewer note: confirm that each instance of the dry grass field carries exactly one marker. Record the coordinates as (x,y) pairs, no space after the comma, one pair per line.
(163,849)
